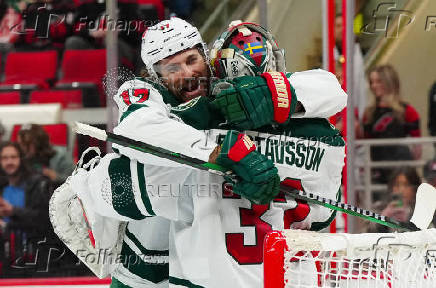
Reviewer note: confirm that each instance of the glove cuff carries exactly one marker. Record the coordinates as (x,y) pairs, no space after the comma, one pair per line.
(234,148)
(282,95)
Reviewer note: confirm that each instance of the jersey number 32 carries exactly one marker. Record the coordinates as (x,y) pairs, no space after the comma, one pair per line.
(253,254)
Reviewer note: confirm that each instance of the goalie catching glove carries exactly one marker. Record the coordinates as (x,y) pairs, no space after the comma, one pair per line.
(259,182)
(249,102)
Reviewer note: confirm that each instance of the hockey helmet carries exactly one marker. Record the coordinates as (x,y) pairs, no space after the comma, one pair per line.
(245,49)
(167,38)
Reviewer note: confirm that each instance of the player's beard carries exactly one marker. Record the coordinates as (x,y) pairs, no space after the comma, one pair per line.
(192,88)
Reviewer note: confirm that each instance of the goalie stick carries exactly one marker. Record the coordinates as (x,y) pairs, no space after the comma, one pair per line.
(425,199)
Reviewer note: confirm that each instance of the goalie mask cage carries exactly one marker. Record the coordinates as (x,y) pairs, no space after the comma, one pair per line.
(305,259)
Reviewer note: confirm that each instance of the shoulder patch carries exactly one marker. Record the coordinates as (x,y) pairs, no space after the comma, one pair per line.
(132,96)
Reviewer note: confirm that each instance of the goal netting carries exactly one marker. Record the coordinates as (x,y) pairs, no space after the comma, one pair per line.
(304,259)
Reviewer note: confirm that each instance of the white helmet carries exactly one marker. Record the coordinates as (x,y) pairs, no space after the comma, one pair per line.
(167,38)
(246,49)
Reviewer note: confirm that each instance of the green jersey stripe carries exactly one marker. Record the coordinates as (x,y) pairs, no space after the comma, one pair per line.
(144,250)
(132,108)
(143,190)
(154,272)
(118,284)
(183,282)
(137,191)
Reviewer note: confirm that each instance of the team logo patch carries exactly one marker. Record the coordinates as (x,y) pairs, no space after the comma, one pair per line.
(253,47)
(186,106)
(132,96)
(383,123)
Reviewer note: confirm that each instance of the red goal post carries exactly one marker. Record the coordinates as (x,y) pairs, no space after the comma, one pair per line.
(305,259)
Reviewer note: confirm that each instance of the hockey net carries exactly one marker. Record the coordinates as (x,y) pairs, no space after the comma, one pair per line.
(304,259)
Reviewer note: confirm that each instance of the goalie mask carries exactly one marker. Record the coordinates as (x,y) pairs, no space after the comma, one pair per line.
(246,49)
(167,38)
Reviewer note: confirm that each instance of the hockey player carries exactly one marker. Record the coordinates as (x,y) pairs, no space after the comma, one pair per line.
(239,101)
(190,112)
(146,117)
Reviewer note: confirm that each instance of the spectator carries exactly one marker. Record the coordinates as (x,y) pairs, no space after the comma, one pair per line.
(430,172)
(430,178)
(52,161)
(2,131)
(400,202)
(432,111)
(9,25)
(389,117)
(23,208)
(91,24)
(182,8)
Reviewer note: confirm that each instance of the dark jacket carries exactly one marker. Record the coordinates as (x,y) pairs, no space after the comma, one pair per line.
(33,217)
(28,235)
(432,110)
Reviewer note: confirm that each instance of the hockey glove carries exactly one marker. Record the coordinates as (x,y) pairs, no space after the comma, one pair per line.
(259,182)
(249,102)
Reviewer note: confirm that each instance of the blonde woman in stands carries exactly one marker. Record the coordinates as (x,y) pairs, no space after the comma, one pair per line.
(389,116)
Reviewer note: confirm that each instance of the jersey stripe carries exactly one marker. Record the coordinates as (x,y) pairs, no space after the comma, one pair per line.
(314,129)
(154,272)
(142,188)
(183,282)
(137,191)
(129,235)
(132,108)
(123,199)
(125,277)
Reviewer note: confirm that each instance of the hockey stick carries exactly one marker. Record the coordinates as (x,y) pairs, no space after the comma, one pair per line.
(425,200)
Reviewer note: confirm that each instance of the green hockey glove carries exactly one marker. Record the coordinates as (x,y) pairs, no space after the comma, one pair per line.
(249,102)
(259,182)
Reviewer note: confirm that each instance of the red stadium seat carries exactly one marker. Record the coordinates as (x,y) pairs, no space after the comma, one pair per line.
(77,3)
(82,68)
(7,98)
(67,98)
(30,68)
(58,133)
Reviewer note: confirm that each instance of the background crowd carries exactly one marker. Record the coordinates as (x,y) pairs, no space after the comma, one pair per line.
(35,159)
(384,115)
(33,163)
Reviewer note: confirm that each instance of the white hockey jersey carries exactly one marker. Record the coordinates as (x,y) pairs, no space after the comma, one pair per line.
(215,236)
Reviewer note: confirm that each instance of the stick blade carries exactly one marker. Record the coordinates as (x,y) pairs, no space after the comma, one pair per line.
(425,206)
(85,129)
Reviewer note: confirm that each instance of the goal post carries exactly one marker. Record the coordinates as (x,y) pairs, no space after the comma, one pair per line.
(305,259)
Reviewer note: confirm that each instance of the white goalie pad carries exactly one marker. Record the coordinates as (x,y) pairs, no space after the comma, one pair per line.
(94,239)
